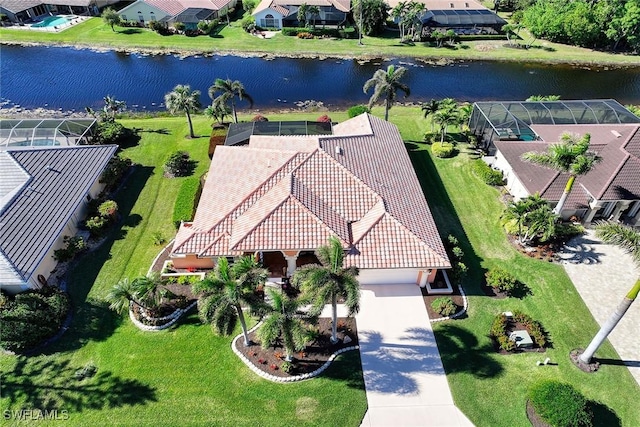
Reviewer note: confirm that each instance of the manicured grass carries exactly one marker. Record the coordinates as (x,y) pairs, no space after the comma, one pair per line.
(94,33)
(184,376)
(490,388)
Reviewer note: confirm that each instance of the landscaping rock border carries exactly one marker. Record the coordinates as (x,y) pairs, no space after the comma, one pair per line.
(173,318)
(293,378)
(457,314)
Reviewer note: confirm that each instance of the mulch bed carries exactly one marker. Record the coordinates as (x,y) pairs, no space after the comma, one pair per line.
(544,252)
(311,358)
(534,419)
(492,292)
(456,297)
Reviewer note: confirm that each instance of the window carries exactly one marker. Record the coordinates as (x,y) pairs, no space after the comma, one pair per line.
(124,17)
(270,22)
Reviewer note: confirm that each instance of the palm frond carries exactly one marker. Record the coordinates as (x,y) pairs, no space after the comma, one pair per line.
(621,235)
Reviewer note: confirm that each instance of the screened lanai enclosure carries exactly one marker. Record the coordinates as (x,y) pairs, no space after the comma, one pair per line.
(239,133)
(46,132)
(510,121)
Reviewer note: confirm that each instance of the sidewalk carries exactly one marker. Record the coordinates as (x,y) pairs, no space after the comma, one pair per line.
(404,379)
(602,275)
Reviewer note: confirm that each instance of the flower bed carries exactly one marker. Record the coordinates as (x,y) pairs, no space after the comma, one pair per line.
(506,323)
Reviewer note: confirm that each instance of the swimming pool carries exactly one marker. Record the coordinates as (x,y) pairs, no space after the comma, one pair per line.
(52,21)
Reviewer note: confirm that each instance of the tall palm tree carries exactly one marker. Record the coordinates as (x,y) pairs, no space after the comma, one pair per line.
(386,83)
(284,320)
(328,282)
(229,90)
(314,11)
(397,13)
(183,99)
(223,294)
(445,117)
(570,156)
(629,240)
(430,108)
(112,106)
(303,9)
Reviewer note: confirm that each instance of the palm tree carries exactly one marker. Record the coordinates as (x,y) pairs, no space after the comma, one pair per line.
(445,117)
(386,83)
(303,9)
(629,240)
(147,289)
(217,111)
(229,90)
(224,293)
(397,13)
(533,216)
(430,108)
(570,156)
(328,282)
(284,320)
(121,296)
(314,11)
(111,107)
(183,99)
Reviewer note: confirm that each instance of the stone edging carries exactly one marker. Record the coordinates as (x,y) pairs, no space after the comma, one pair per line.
(173,316)
(459,313)
(293,378)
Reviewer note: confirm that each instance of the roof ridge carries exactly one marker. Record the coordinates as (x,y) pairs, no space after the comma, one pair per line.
(614,175)
(377,220)
(424,243)
(213,242)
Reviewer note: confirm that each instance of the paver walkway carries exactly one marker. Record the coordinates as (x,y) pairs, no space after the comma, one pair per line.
(403,374)
(602,275)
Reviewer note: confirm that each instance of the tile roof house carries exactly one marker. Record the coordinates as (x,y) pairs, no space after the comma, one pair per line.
(43,196)
(611,190)
(31,10)
(171,11)
(284,13)
(288,194)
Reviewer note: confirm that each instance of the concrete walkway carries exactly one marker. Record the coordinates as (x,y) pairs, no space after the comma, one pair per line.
(602,275)
(403,374)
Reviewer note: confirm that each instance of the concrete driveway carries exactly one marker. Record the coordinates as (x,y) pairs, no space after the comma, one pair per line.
(404,379)
(602,275)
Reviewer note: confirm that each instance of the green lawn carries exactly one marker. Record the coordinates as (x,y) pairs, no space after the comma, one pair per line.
(184,376)
(188,376)
(94,33)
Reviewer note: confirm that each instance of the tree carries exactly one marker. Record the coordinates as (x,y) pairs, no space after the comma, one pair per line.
(112,106)
(629,240)
(374,15)
(285,320)
(314,11)
(429,108)
(303,9)
(229,90)
(183,99)
(386,84)
(511,30)
(111,18)
(217,111)
(328,282)
(147,290)
(439,36)
(570,156)
(446,115)
(223,293)
(397,13)
(543,98)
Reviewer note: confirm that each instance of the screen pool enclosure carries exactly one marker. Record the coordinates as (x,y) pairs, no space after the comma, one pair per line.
(46,132)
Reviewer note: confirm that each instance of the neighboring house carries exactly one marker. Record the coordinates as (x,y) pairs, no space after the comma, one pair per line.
(611,190)
(284,13)
(189,12)
(19,11)
(43,196)
(281,197)
(465,17)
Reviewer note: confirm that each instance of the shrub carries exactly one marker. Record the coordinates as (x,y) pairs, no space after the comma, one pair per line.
(499,326)
(286,367)
(505,343)
(566,231)
(31,317)
(533,327)
(501,280)
(158,238)
(248,23)
(178,164)
(186,201)
(356,110)
(108,209)
(73,246)
(96,225)
(259,118)
(179,26)
(457,252)
(560,404)
(292,31)
(324,119)
(443,149)
(249,5)
(489,175)
(110,132)
(444,306)
(114,171)
(305,35)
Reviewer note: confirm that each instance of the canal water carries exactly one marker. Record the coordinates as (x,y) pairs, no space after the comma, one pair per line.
(72,79)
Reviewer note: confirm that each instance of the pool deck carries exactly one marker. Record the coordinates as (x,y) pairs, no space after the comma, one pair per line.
(73,20)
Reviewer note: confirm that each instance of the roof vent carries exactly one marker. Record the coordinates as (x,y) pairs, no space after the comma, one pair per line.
(452,5)
(616,133)
(339,150)
(466,5)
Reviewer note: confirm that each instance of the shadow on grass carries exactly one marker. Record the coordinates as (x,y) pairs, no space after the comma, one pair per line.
(603,416)
(131,31)
(161,131)
(46,384)
(445,215)
(93,321)
(618,362)
(461,352)
(347,369)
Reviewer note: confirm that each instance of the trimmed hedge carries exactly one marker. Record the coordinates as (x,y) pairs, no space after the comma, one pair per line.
(356,110)
(486,173)
(560,404)
(29,318)
(186,201)
(501,280)
(443,149)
